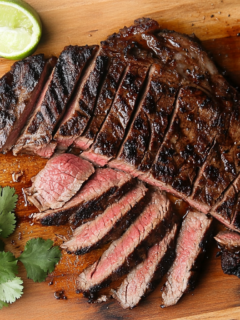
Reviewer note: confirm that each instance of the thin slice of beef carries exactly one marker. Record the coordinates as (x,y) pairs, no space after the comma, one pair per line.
(110,136)
(118,259)
(187,142)
(58,181)
(102,189)
(109,225)
(19,90)
(103,104)
(82,107)
(143,279)
(38,133)
(148,128)
(228,240)
(191,244)
(229,243)
(227,208)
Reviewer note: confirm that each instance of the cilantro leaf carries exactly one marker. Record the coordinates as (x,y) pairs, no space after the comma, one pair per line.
(2,245)
(39,258)
(11,290)
(8,199)
(3,304)
(7,223)
(8,266)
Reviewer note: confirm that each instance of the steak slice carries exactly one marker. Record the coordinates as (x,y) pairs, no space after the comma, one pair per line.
(228,240)
(191,243)
(229,243)
(109,225)
(222,165)
(110,136)
(102,189)
(187,142)
(103,105)
(82,107)
(148,228)
(227,208)
(148,128)
(58,182)
(143,279)
(37,135)
(19,90)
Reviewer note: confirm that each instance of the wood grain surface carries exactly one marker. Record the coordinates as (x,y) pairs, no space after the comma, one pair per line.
(217,296)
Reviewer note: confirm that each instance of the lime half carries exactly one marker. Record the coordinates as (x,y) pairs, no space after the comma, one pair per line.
(20,29)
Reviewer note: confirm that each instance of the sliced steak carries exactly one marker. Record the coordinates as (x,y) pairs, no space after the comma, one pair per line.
(109,225)
(222,165)
(191,243)
(144,278)
(19,90)
(104,187)
(82,107)
(110,136)
(103,104)
(229,243)
(58,182)
(187,142)
(148,128)
(116,260)
(228,240)
(37,135)
(227,209)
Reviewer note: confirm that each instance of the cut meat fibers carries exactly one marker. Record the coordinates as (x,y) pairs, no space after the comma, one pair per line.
(187,142)
(110,136)
(227,209)
(109,225)
(144,278)
(144,232)
(82,107)
(148,128)
(228,240)
(102,189)
(58,182)
(38,133)
(103,105)
(191,244)
(19,90)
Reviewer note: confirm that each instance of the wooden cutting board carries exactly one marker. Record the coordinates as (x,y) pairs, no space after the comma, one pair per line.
(216,23)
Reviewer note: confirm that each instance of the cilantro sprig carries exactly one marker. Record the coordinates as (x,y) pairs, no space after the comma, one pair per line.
(39,256)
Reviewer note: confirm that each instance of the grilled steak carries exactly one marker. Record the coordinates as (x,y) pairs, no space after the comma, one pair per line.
(58,182)
(228,240)
(19,90)
(83,104)
(229,243)
(187,142)
(227,209)
(147,130)
(109,225)
(103,104)
(144,278)
(113,130)
(37,135)
(148,228)
(104,187)
(191,243)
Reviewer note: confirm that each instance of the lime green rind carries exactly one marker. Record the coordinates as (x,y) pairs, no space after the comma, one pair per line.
(33,16)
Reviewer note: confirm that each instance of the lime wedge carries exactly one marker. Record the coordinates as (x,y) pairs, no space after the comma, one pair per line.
(20,29)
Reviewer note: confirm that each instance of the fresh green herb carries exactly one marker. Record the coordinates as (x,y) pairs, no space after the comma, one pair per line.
(39,256)
(8,200)
(11,290)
